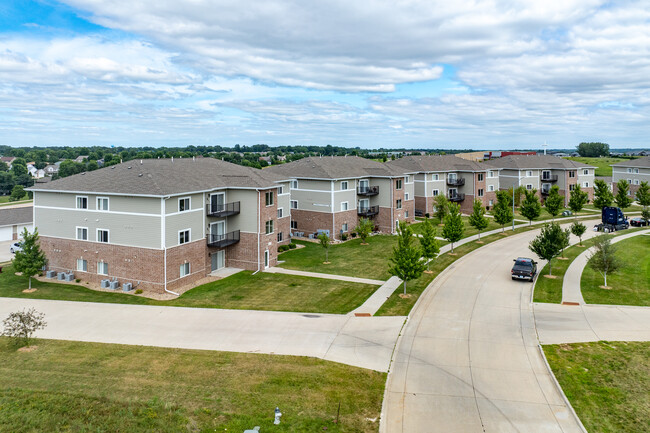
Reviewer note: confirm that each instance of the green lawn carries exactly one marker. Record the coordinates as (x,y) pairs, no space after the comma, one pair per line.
(469,230)
(630,284)
(607,383)
(272,292)
(4,200)
(603,165)
(88,387)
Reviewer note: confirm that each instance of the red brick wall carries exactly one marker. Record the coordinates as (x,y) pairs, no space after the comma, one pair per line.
(268,242)
(310,221)
(350,217)
(243,254)
(383,220)
(194,253)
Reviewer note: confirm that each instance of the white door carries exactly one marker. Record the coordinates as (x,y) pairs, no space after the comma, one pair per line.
(266,259)
(217,231)
(218,260)
(364,204)
(363,185)
(217,202)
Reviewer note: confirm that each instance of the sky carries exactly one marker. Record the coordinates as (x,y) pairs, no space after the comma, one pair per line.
(480,74)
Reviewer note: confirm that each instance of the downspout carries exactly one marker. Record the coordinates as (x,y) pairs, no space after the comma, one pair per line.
(333,210)
(163,241)
(392,206)
(259,222)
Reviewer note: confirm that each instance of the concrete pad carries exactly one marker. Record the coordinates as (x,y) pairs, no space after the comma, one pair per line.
(501,416)
(504,384)
(439,414)
(377,299)
(450,381)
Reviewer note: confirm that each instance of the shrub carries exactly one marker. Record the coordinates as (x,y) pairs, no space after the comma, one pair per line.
(77,280)
(138,291)
(353,234)
(283,248)
(427,215)
(292,246)
(344,236)
(21,325)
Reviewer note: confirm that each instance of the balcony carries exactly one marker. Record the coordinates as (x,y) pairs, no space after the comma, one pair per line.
(545,192)
(224,240)
(368,211)
(368,191)
(549,177)
(455,181)
(457,197)
(223,210)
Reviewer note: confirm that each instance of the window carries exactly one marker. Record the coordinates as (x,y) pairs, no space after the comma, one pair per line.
(398,205)
(82,233)
(629,181)
(82,202)
(102,268)
(585,184)
(636,171)
(529,173)
(529,186)
(269,227)
(406,196)
(572,173)
(294,204)
(183,236)
(183,204)
(398,184)
(294,224)
(280,190)
(479,177)
(629,170)
(585,171)
(269,198)
(280,212)
(571,187)
(490,188)
(490,173)
(294,184)
(435,177)
(184,270)
(344,205)
(280,237)
(102,203)
(406,214)
(344,184)
(480,192)
(102,236)
(636,181)
(82,265)
(435,192)
(408,179)
(490,203)
(344,227)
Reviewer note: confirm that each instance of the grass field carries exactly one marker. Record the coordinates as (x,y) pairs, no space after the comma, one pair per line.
(606,382)
(88,387)
(272,292)
(603,165)
(4,200)
(469,230)
(630,284)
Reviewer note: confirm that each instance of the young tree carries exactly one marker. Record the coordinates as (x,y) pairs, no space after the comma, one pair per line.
(441,207)
(622,198)
(554,202)
(31,259)
(548,244)
(17,192)
(602,194)
(578,229)
(604,259)
(428,242)
(453,229)
(477,219)
(406,260)
(502,211)
(21,325)
(643,198)
(577,200)
(364,228)
(531,208)
(565,239)
(325,242)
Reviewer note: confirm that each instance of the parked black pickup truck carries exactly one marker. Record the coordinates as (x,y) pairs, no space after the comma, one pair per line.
(524,269)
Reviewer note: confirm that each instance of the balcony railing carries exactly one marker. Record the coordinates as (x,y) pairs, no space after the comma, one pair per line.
(549,178)
(368,190)
(368,211)
(457,197)
(223,210)
(455,181)
(224,240)
(545,191)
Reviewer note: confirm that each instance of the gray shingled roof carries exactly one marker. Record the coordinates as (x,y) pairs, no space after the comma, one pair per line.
(16,215)
(337,167)
(161,177)
(536,161)
(639,162)
(427,163)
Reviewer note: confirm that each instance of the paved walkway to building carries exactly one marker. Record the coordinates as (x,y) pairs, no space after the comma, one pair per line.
(366,342)
(571,292)
(277,270)
(377,299)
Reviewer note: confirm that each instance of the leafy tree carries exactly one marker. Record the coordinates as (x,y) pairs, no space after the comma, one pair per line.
(7,182)
(325,242)
(453,229)
(31,259)
(622,198)
(578,229)
(406,260)
(593,149)
(4,166)
(68,168)
(19,167)
(604,259)
(17,193)
(519,191)
(548,244)
(645,214)
(531,208)
(21,325)
(565,239)
(577,200)
(602,195)
(643,196)
(441,207)
(554,202)
(363,229)
(92,165)
(477,219)
(502,211)
(428,242)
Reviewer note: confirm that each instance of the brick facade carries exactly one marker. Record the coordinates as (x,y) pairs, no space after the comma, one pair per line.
(348,217)
(383,220)
(309,221)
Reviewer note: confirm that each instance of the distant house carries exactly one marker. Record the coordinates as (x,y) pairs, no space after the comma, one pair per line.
(266,159)
(51,169)
(81,158)
(8,160)
(13,221)
(634,171)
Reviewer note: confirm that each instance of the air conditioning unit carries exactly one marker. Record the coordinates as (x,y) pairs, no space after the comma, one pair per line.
(60,276)
(105,284)
(127,287)
(50,274)
(114,285)
(69,276)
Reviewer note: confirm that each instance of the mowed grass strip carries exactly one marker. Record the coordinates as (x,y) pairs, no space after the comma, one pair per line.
(468,229)
(262,291)
(630,285)
(606,382)
(603,165)
(89,387)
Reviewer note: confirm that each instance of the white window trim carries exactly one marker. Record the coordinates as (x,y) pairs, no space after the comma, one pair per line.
(189,237)
(100,272)
(347,228)
(108,204)
(529,186)
(292,206)
(409,179)
(585,172)
(272,223)
(585,184)
(490,173)
(82,261)
(435,177)
(478,177)
(182,267)
(529,173)
(266,194)
(490,188)
(189,207)
(347,185)
(347,206)
(406,196)
(108,235)
(435,192)
(77,233)
(291,184)
(281,212)
(280,190)
(398,204)
(480,192)
(77,201)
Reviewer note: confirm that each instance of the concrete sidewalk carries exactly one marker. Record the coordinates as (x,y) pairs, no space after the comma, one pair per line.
(377,299)
(277,270)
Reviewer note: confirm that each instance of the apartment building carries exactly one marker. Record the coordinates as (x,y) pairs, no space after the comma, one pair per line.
(332,193)
(460,179)
(634,171)
(162,224)
(541,172)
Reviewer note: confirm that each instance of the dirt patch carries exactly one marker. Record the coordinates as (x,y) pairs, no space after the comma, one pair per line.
(29,290)
(403,296)
(504,234)
(452,254)
(479,242)
(562,258)
(552,277)
(428,272)
(606,287)
(327,263)
(27,348)
(20,274)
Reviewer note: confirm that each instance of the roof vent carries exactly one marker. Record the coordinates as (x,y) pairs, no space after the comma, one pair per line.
(140,175)
(83,173)
(129,167)
(140,162)
(113,168)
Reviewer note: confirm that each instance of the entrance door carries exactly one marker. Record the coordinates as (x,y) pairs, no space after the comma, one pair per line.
(364,205)
(266,259)
(363,186)
(217,202)
(217,230)
(452,192)
(218,260)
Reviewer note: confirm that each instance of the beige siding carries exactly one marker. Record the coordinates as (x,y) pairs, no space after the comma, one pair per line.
(347,195)
(313,200)
(196,202)
(192,220)
(130,204)
(383,199)
(320,185)
(246,221)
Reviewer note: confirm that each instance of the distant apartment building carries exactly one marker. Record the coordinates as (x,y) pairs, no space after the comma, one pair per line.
(541,172)
(162,224)
(332,193)
(459,179)
(634,171)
